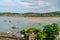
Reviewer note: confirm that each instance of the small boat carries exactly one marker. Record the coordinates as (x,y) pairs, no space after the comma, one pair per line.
(13,27)
(9,21)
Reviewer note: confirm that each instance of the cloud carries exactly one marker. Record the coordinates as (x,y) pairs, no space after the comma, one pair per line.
(7,3)
(27,6)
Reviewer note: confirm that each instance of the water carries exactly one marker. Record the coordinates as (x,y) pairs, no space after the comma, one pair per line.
(24,23)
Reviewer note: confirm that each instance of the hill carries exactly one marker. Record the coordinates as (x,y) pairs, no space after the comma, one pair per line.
(49,14)
(30,14)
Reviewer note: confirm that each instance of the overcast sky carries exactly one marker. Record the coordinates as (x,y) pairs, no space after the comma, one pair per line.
(22,6)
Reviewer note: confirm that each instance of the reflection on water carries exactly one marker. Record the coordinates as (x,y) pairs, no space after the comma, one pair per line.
(23,23)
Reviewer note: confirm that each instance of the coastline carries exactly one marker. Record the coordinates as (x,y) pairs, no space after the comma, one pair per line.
(31,19)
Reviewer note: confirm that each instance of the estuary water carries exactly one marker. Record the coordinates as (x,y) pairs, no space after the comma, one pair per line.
(21,23)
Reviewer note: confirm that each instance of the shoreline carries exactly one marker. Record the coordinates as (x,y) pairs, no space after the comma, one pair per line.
(28,17)
(34,19)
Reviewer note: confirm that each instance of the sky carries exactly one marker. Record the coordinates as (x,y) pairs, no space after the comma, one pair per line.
(22,6)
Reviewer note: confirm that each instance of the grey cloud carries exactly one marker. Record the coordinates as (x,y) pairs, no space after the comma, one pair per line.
(30,5)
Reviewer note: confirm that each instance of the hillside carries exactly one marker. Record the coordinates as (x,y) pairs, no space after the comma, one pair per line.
(50,14)
(30,14)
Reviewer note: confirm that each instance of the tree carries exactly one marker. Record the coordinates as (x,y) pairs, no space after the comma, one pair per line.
(51,31)
(39,36)
(35,30)
(38,33)
(31,30)
(22,31)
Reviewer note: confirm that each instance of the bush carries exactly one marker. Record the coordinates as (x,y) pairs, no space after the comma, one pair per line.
(51,31)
